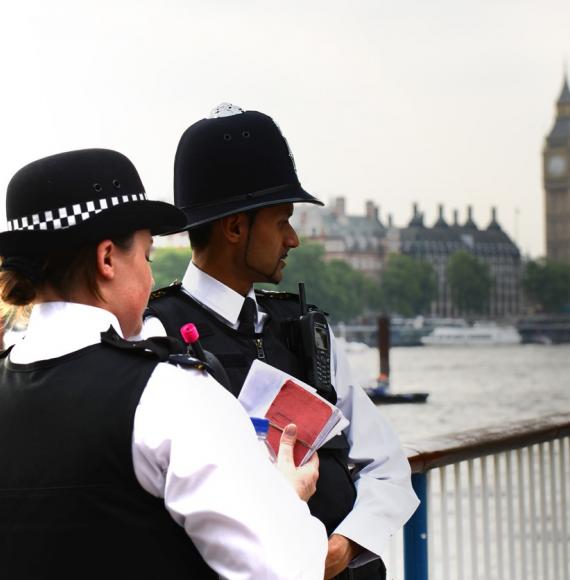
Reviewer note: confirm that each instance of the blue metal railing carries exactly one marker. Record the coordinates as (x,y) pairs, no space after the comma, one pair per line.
(415,534)
(528,448)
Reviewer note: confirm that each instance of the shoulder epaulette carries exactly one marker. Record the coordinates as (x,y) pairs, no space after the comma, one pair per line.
(276,295)
(167,290)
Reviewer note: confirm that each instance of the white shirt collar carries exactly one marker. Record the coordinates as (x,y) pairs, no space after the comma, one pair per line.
(214,295)
(59,328)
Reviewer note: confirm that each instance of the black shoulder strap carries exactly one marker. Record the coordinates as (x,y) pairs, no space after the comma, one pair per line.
(164,348)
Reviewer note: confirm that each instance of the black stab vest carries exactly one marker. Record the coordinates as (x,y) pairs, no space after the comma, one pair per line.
(70,504)
(335,493)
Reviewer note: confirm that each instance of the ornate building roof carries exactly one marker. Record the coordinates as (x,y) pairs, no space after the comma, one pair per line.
(443,239)
(559,135)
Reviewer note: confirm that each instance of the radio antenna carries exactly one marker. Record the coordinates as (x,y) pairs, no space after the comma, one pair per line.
(302,299)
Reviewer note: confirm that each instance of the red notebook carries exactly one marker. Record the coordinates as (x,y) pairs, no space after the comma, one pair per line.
(294,404)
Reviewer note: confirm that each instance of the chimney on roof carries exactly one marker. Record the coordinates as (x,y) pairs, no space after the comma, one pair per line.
(440,223)
(455,217)
(470,223)
(390,221)
(339,206)
(371,211)
(494,225)
(418,217)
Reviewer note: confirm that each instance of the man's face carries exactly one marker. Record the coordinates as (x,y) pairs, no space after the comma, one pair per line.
(270,238)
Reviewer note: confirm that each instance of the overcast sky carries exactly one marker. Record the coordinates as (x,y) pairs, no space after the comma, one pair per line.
(441,101)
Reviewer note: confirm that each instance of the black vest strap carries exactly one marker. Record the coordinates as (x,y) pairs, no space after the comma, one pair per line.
(6,352)
(164,348)
(168,349)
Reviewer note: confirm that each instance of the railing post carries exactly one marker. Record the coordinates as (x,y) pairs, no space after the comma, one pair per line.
(415,534)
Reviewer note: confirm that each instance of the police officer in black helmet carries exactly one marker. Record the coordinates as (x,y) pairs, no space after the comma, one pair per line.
(235,179)
(116,462)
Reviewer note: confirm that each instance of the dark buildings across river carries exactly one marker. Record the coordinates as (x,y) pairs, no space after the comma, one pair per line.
(365,243)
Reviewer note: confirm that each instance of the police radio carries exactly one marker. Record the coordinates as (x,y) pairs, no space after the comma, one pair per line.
(313,333)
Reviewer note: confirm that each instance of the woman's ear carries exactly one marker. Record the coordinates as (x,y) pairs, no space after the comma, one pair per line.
(105,259)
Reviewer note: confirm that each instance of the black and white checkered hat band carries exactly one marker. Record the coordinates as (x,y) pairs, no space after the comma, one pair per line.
(66,217)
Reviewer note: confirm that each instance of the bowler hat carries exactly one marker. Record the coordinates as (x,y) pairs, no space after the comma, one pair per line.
(231,162)
(79,197)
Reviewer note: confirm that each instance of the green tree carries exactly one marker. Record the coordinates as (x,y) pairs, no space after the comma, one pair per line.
(547,283)
(169,264)
(469,282)
(349,293)
(408,285)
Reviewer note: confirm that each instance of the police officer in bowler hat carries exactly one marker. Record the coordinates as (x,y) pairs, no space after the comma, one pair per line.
(235,179)
(121,459)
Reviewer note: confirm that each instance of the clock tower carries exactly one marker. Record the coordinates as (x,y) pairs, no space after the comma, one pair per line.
(556,171)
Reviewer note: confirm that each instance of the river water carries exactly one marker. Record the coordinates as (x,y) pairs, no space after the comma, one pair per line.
(470,387)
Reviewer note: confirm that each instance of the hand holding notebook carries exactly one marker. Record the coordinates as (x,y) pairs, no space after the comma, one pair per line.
(283,399)
(312,415)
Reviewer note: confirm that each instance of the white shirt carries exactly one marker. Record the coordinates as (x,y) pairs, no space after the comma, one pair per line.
(385,497)
(194,446)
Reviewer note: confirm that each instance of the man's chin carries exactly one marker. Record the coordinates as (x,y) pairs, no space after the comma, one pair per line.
(277,276)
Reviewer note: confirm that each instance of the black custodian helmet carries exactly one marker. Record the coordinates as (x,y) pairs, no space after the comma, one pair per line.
(234,161)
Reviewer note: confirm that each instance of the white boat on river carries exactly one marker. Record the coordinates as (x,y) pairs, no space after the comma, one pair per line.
(481,333)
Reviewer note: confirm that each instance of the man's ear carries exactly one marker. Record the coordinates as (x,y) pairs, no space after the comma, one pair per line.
(106,259)
(234,227)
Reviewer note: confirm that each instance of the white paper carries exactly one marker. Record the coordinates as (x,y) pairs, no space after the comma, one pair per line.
(262,385)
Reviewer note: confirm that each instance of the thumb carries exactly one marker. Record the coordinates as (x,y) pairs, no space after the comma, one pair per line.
(286,444)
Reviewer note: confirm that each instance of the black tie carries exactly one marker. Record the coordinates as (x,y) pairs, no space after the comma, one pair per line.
(247,317)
